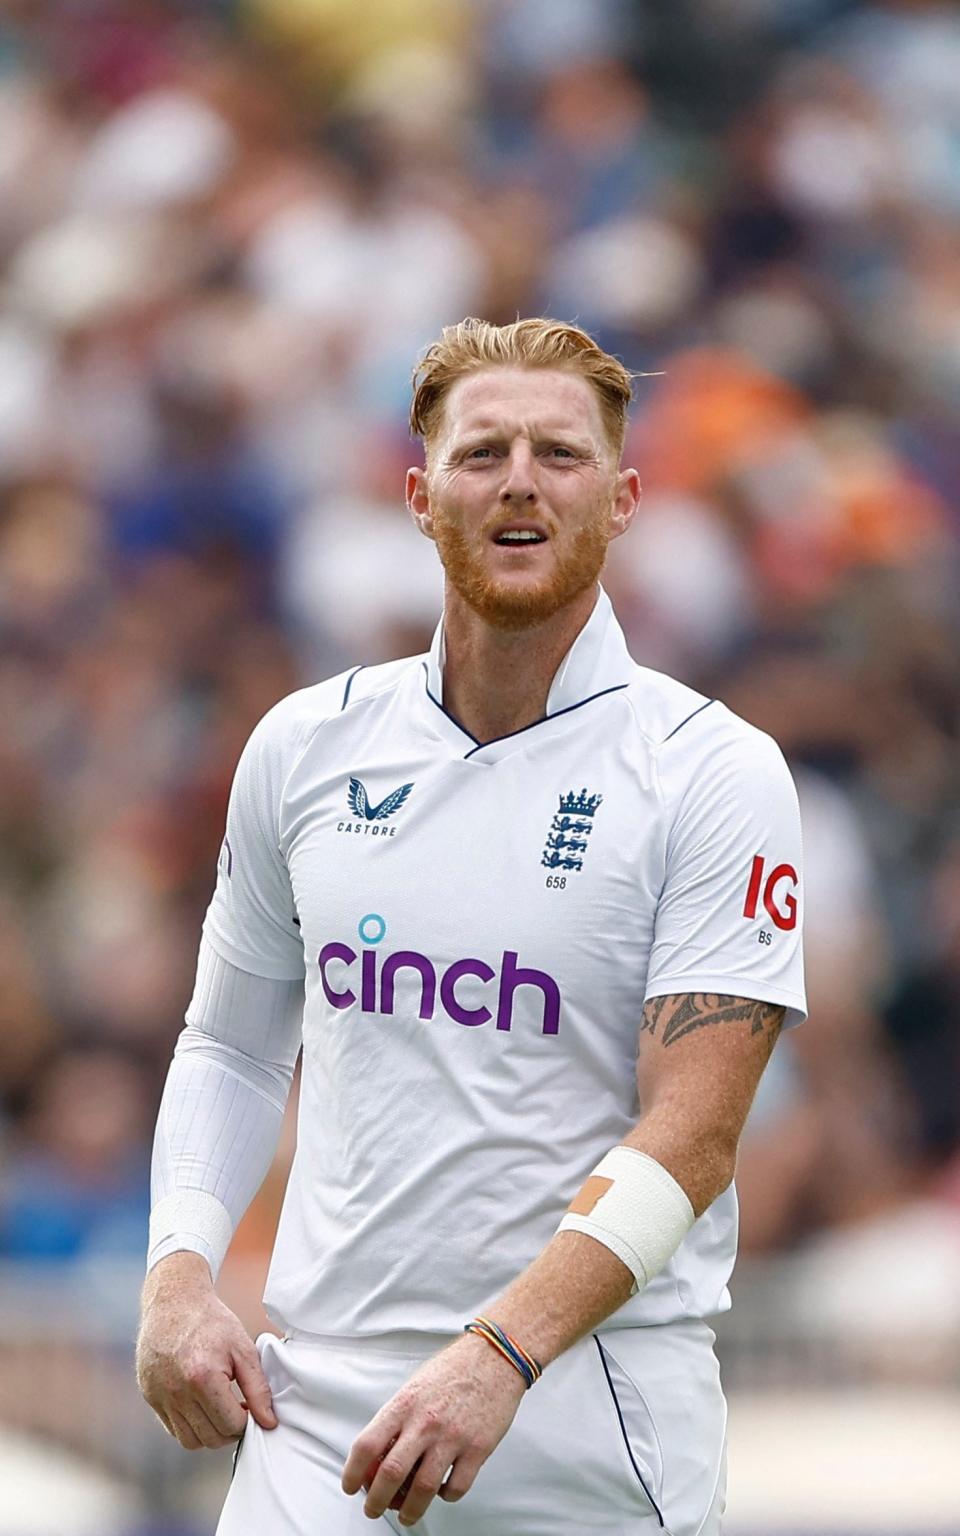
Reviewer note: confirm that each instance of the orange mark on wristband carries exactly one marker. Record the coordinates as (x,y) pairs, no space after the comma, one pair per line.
(583,1203)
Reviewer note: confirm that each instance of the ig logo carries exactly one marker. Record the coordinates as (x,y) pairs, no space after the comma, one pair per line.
(780,903)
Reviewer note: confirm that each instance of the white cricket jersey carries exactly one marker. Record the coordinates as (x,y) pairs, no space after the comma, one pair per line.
(478,927)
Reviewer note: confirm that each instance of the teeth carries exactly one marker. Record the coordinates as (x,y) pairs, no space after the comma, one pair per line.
(520,536)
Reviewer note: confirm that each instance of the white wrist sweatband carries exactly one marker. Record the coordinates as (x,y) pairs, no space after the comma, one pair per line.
(190,1219)
(632,1205)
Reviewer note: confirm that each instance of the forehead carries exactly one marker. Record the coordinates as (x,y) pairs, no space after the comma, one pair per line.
(521,397)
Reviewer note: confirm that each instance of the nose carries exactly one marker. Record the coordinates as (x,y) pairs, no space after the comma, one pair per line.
(519,482)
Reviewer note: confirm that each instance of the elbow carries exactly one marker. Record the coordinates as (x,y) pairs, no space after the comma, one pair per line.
(717,1167)
(727,1171)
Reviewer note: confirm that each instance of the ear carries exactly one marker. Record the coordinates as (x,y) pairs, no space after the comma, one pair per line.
(418,501)
(626,500)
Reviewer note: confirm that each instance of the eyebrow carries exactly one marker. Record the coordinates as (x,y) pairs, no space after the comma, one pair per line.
(538,432)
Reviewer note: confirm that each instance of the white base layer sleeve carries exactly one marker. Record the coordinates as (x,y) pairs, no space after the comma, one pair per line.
(222,1107)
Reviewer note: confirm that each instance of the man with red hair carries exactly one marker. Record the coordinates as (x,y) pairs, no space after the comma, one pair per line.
(539,909)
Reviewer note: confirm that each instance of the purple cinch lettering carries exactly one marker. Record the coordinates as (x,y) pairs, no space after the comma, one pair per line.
(368,981)
(336,951)
(448,998)
(513,976)
(428,980)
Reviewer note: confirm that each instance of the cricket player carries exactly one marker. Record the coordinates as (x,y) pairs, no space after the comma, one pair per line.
(532,913)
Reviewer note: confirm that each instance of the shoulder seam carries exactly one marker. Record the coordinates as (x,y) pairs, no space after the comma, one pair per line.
(317,725)
(384,686)
(692,716)
(349,685)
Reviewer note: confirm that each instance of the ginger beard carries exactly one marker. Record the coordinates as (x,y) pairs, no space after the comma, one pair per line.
(506,605)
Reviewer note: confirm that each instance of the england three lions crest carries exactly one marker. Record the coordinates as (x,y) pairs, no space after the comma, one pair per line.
(570,829)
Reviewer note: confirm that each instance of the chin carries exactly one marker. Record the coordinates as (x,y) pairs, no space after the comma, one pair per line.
(523,601)
(512,606)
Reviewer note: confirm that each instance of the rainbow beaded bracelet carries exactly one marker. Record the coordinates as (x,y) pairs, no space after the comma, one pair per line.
(529,1368)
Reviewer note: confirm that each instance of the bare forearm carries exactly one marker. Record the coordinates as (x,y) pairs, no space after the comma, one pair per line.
(691,1128)
(570,1288)
(702,1158)
(185,1272)
(576,1282)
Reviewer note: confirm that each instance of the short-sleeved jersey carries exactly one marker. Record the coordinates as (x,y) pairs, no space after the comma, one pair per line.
(478,926)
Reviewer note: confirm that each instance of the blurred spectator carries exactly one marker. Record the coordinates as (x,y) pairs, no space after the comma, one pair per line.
(78,1183)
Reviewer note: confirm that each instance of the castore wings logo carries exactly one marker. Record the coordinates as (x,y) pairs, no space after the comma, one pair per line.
(369,818)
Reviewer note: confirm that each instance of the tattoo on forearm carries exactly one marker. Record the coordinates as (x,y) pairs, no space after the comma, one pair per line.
(697,1010)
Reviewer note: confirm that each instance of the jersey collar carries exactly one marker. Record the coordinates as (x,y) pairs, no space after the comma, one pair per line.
(597,660)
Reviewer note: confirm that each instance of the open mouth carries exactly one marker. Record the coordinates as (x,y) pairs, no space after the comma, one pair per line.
(520,536)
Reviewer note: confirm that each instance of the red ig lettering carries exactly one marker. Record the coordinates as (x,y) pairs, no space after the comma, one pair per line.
(783,912)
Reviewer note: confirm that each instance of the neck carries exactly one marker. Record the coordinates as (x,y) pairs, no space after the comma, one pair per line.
(497,681)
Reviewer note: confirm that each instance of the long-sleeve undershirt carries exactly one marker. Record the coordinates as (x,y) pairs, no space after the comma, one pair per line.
(222,1106)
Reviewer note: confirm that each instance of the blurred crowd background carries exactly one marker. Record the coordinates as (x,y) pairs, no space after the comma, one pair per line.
(227,229)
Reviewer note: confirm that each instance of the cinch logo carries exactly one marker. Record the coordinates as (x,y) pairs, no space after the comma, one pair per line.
(783,911)
(370,816)
(377,981)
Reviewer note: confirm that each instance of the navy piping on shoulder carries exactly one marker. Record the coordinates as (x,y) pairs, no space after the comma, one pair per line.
(698,711)
(623,1430)
(478,745)
(346,691)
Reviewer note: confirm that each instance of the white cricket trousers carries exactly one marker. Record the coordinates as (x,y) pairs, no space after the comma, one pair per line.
(624,1434)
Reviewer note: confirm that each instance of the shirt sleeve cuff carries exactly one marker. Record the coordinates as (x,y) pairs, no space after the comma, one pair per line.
(750,987)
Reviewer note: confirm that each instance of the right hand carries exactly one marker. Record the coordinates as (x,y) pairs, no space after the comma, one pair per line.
(190,1348)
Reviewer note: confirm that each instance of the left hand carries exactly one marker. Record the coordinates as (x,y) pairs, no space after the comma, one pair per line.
(452,1413)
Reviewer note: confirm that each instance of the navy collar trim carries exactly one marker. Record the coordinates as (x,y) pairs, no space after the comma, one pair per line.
(479,745)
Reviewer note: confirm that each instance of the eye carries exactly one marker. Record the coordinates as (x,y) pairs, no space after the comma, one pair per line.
(567,453)
(474,452)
